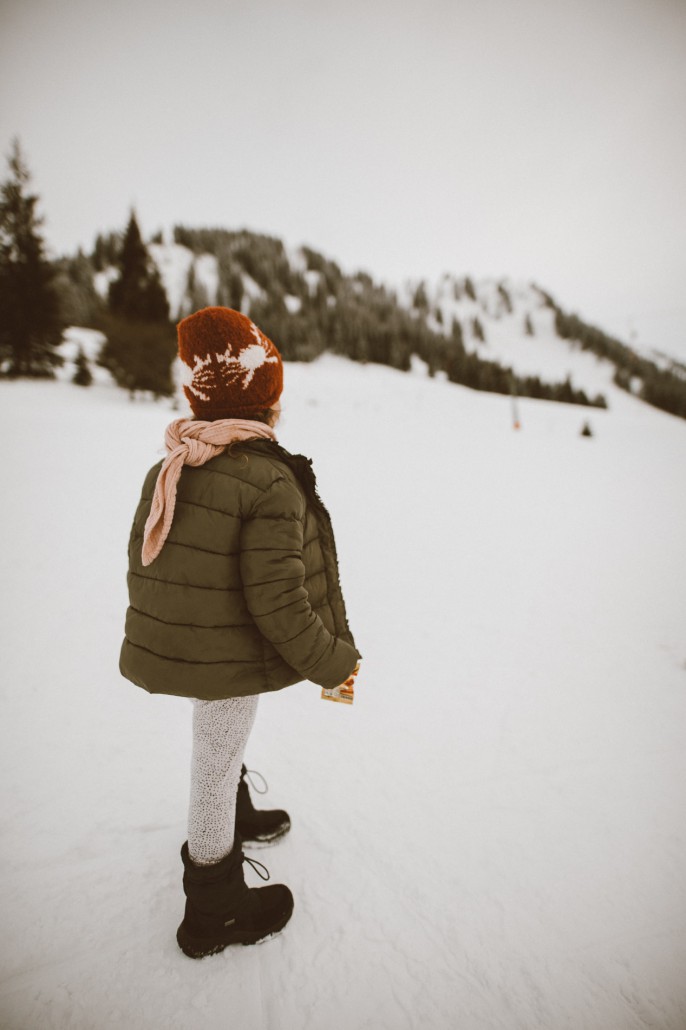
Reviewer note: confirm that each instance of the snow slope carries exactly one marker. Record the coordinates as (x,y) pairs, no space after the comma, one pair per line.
(502,313)
(501,306)
(517,322)
(494,836)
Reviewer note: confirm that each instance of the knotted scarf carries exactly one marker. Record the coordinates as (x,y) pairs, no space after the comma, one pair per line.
(190,442)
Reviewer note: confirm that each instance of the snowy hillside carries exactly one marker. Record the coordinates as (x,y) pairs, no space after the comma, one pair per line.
(502,307)
(492,838)
(518,329)
(491,335)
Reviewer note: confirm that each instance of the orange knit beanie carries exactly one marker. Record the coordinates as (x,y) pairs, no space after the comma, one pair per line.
(230,369)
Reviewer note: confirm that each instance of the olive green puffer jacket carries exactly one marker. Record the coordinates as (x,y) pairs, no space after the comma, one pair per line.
(244,596)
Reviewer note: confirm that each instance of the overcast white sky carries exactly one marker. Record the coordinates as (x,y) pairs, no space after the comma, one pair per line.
(543,139)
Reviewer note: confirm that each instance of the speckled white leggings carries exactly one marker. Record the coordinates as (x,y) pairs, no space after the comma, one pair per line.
(220,733)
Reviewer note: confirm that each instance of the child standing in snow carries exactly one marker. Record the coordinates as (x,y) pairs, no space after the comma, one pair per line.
(234,592)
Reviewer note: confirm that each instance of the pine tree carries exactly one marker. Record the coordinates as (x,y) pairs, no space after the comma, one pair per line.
(420,299)
(141,343)
(505,298)
(196,293)
(138,293)
(80,303)
(82,375)
(105,250)
(30,322)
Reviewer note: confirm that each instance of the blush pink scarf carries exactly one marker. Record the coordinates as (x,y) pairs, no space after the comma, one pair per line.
(190,442)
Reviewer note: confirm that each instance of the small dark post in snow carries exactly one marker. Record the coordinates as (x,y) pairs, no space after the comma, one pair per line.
(516,424)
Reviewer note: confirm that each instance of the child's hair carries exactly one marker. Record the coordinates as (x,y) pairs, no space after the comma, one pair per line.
(268,416)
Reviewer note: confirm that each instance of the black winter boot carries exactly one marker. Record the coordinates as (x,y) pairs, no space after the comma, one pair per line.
(254,825)
(222,910)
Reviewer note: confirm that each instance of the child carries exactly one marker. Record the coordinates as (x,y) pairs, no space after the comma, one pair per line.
(234,592)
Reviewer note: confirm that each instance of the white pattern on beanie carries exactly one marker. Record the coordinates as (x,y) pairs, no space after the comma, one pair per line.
(233,368)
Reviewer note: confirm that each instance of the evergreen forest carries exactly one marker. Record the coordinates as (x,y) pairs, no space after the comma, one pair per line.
(304,302)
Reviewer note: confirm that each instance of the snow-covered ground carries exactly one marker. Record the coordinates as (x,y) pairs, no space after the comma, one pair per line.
(492,838)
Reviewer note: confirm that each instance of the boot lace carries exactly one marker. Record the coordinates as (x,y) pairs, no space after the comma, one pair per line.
(249,773)
(254,863)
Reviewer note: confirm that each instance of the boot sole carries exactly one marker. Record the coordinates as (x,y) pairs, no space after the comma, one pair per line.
(201,947)
(265,842)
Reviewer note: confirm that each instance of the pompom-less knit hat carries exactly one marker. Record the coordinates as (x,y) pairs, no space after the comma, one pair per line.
(230,369)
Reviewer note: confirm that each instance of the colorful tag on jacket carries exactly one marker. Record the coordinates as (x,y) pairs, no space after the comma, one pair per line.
(345,692)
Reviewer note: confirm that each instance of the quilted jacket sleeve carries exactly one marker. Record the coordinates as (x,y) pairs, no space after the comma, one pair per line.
(273,577)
